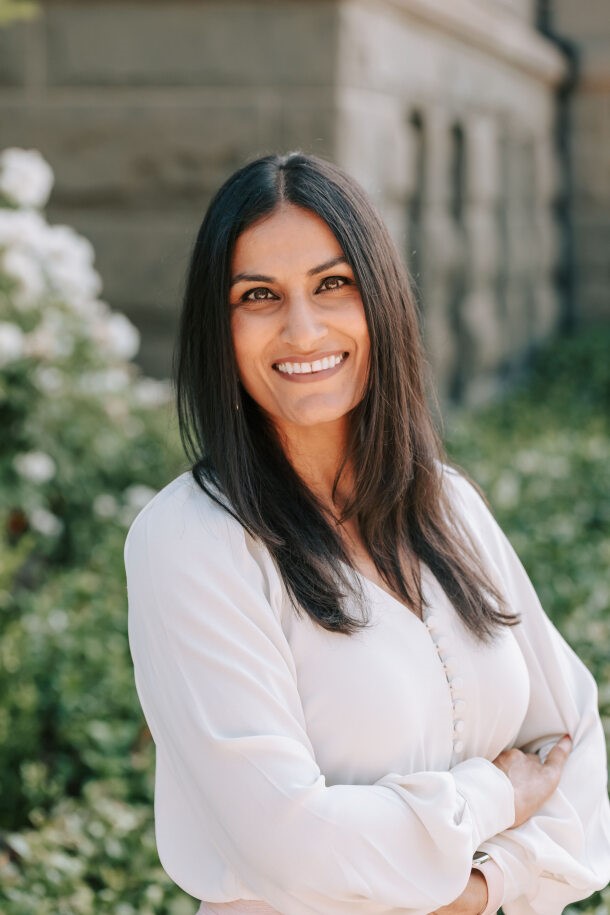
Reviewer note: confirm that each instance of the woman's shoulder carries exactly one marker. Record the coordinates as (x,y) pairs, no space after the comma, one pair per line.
(183,512)
(464,497)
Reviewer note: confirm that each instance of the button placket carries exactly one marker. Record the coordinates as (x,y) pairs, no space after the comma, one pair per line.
(442,644)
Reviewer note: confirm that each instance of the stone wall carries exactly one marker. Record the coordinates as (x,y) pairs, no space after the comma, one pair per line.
(587,26)
(445,112)
(447,117)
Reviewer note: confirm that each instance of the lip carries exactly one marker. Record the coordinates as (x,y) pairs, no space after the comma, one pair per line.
(312,377)
(310,358)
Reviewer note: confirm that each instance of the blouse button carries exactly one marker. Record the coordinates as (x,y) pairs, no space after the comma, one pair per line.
(432,623)
(459,705)
(458,746)
(457,683)
(443,643)
(458,726)
(449,664)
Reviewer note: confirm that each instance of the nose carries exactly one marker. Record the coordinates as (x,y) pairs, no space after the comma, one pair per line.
(303,327)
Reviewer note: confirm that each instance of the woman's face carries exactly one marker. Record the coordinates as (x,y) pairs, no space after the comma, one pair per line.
(299,331)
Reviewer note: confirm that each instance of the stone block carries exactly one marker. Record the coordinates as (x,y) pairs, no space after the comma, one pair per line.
(150,153)
(13,46)
(156,348)
(580,20)
(142,257)
(482,164)
(306,122)
(361,136)
(185,43)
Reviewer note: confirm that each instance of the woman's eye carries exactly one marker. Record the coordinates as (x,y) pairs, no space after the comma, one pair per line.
(260,294)
(334,282)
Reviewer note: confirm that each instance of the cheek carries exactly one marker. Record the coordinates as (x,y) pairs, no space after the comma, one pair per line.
(361,334)
(250,342)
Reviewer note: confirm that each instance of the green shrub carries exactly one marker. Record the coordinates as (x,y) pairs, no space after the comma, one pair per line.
(87,441)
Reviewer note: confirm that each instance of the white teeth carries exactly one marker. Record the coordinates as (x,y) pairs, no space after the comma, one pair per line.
(308,368)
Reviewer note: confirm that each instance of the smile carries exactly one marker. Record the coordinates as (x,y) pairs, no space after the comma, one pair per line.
(310,368)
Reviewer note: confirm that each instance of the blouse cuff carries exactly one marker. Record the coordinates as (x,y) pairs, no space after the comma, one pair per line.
(494,877)
(490,795)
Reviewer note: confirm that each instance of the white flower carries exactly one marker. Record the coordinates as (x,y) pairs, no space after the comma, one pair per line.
(105,505)
(528,461)
(36,466)
(51,338)
(138,495)
(62,256)
(69,259)
(506,489)
(151,392)
(116,336)
(106,381)
(58,619)
(45,522)
(26,178)
(24,228)
(19,844)
(11,342)
(24,270)
(133,427)
(49,379)
(116,408)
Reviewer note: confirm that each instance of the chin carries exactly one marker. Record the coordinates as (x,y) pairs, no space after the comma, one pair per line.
(319,417)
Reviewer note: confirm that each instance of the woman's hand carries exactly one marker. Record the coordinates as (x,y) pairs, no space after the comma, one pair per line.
(533,781)
(472,901)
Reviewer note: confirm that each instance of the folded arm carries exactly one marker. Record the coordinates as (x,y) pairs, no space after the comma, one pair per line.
(562,853)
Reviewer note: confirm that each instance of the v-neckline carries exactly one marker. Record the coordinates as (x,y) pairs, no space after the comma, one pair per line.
(387,594)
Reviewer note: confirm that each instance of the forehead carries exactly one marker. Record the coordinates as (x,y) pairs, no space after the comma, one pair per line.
(289,238)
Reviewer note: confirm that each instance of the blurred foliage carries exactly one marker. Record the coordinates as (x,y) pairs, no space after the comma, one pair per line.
(87,441)
(14,10)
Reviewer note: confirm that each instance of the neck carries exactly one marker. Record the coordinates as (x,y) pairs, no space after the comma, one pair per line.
(316,453)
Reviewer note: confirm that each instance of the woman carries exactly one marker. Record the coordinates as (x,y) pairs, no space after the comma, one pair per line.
(350,682)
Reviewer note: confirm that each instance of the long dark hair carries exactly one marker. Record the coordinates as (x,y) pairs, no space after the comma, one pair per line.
(398,498)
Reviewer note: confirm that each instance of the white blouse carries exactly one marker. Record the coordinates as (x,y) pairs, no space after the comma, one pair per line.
(329,774)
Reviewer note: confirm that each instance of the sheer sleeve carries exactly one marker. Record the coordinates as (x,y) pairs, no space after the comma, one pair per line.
(562,853)
(216,681)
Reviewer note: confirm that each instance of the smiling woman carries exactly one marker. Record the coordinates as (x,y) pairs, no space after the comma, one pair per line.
(324,617)
(303,328)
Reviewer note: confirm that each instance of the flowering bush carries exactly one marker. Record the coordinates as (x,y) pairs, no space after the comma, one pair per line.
(87,440)
(72,404)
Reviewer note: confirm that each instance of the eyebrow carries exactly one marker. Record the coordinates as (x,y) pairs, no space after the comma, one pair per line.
(261,278)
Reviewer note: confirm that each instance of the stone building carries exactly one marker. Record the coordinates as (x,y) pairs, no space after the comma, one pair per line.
(481,128)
